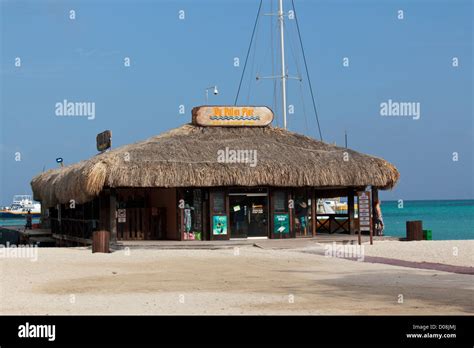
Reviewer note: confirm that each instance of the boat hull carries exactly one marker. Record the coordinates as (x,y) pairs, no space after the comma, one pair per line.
(13,215)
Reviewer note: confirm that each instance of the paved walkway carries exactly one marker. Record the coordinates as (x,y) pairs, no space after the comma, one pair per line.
(403,263)
(421,265)
(289,243)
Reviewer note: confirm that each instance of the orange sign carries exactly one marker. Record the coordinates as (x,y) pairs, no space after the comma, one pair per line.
(232,116)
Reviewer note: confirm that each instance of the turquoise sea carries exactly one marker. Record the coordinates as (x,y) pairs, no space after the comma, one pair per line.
(446,219)
(16,222)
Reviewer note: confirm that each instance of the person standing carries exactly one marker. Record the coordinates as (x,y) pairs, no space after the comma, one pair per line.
(188,221)
(29,221)
(378,219)
(302,215)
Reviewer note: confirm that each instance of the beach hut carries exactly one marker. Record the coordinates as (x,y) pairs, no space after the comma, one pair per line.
(227,174)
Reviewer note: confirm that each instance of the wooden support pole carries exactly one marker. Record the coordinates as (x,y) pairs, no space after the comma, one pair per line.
(292,232)
(227,209)
(313,213)
(113,217)
(103,223)
(350,210)
(180,199)
(371,236)
(59,219)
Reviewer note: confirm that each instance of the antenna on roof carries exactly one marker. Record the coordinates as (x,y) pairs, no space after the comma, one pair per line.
(283,69)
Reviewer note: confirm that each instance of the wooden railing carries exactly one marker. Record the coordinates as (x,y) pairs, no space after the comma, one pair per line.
(142,224)
(73,227)
(332,223)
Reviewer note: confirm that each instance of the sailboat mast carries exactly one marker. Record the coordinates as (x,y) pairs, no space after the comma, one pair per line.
(283,68)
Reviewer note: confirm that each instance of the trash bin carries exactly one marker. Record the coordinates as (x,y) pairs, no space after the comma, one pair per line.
(415,230)
(427,235)
(100,241)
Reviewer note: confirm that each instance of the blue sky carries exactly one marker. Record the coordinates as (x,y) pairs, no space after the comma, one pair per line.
(173,61)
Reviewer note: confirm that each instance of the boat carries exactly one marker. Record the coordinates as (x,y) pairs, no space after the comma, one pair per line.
(333,206)
(21,205)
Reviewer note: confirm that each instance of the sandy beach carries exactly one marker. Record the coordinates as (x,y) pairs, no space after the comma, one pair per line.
(452,252)
(245,280)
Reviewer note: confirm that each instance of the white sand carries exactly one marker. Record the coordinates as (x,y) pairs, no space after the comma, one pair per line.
(256,281)
(450,252)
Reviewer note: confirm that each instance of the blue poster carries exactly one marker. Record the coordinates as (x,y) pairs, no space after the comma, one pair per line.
(219,225)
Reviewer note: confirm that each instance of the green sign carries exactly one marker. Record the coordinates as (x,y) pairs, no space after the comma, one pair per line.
(281,223)
(219,225)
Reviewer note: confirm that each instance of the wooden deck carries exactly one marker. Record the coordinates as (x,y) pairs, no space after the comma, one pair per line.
(34,236)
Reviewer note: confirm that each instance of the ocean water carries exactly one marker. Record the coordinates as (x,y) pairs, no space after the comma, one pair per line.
(446,219)
(17,222)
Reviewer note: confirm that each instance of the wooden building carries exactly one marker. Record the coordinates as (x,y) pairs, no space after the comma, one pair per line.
(228,174)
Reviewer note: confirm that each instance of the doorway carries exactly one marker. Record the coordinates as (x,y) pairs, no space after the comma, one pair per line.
(248,215)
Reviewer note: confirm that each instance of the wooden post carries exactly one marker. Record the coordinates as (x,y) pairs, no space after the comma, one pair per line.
(211,213)
(59,219)
(271,213)
(371,236)
(205,217)
(100,242)
(350,210)
(290,212)
(113,217)
(103,223)
(227,208)
(181,203)
(313,213)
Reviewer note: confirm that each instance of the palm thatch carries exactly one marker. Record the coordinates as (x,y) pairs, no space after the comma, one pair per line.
(187,157)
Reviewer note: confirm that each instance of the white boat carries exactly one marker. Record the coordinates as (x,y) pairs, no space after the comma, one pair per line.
(21,205)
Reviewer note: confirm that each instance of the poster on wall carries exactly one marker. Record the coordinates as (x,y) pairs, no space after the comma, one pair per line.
(122,215)
(281,223)
(219,225)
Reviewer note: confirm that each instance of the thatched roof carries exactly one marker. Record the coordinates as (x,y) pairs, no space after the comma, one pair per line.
(188,157)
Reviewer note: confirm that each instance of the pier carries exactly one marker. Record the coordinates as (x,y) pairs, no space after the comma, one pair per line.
(18,235)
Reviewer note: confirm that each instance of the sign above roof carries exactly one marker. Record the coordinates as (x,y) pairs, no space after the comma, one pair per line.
(232,116)
(104,140)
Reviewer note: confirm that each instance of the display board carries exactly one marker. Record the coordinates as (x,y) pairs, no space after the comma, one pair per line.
(365,220)
(281,224)
(232,116)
